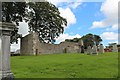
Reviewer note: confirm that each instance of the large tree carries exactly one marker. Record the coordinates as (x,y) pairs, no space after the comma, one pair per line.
(45,19)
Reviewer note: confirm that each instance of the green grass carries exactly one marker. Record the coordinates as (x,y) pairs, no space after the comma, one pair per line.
(66,66)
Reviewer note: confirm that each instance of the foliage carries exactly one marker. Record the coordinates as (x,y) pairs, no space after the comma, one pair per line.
(73,40)
(45,19)
(42,17)
(66,66)
(13,12)
(97,39)
(88,40)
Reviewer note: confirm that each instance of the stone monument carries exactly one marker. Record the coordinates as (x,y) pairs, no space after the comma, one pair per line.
(94,50)
(115,49)
(101,48)
(5,32)
(89,50)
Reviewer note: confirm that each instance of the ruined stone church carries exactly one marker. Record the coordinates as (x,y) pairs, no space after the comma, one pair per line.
(30,45)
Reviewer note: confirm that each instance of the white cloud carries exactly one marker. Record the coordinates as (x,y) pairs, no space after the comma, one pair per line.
(75,4)
(70,3)
(66,36)
(15,46)
(68,14)
(66,11)
(110,10)
(113,28)
(23,28)
(109,36)
(97,24)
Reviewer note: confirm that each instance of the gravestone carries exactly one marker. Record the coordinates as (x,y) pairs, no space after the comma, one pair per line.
(94,50)
(5,33)
(101,48)
(115,49)
(89,50)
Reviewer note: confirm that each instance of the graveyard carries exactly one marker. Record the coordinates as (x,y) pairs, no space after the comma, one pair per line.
(47,48)
(74,65)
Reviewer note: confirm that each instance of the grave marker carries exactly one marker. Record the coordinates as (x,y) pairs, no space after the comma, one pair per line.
(5,33)
(101,49)
(94,50)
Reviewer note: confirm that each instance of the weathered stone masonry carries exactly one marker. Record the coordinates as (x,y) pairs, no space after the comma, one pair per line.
(30,45)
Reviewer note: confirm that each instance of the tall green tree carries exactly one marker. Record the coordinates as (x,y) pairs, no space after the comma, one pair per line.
(91,39)
(45,19)
(88,40)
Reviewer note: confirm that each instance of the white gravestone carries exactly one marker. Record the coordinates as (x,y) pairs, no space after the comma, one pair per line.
(101,48)
(115,49)
(5,32)
(94,50)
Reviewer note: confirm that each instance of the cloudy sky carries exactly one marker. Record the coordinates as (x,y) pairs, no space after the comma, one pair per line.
(85,16)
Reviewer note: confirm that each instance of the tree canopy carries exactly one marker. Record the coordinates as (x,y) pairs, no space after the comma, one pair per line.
(13,12)
(88,40)
(42,17)
(45,19)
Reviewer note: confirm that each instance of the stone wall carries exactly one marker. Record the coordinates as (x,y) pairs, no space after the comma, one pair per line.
(30,45)
(26,47)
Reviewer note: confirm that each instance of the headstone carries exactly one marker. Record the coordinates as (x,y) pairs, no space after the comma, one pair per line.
(89,50)
(94,50)
(115,49)
(101,48)
(5,32)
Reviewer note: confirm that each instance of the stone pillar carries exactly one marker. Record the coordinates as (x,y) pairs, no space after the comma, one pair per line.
(5,32)
(115,49)
(89,50)
(94,50)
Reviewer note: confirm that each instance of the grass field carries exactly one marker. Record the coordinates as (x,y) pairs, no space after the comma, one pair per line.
(66,66)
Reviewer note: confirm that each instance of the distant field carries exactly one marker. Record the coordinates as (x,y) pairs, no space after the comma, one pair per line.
(66,66)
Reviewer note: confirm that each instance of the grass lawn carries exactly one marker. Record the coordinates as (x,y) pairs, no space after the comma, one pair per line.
(66,66)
